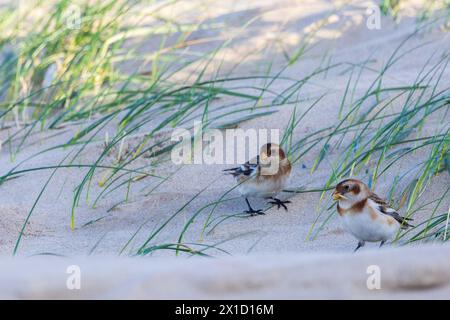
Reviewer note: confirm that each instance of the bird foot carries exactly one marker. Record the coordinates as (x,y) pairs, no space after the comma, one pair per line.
(279,203)
(360,244)
(253,212)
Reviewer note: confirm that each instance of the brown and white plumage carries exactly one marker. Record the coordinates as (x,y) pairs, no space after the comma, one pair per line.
(264,176)
(365,215)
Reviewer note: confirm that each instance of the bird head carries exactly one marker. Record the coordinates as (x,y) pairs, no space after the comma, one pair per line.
(270,150)
(271,157)
(350,191)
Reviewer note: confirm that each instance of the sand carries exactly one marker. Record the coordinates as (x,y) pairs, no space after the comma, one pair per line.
(278,243)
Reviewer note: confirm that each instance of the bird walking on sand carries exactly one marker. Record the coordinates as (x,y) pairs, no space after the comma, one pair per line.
(264,176)
(365,215)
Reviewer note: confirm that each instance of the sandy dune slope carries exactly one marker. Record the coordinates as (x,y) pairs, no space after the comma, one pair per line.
(275,255)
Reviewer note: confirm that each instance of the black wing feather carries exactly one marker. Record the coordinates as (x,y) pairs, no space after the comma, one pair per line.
(385,208)
(246,169)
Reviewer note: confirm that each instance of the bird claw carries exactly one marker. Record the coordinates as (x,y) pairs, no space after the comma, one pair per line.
(279,203)
(255,212)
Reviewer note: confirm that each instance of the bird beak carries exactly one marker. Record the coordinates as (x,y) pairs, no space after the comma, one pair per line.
(338,196)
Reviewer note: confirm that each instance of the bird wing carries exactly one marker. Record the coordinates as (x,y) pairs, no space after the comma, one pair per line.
(385,208)
(247,169)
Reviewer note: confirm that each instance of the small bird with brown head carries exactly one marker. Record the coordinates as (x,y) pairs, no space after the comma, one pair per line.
(365,215)
(264,176)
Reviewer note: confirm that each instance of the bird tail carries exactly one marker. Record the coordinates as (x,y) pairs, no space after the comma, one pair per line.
(233,171)
(404,223)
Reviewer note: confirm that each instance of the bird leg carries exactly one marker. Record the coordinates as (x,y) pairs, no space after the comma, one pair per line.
(382,243)
(279,203)
(251,211)
(360,244)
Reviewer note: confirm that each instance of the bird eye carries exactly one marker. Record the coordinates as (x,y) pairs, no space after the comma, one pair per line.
(347,187)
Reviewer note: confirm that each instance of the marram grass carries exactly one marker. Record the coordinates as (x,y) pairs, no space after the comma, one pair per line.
(53,76)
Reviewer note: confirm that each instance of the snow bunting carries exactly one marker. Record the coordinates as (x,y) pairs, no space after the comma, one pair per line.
(264,176)
(365,215)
